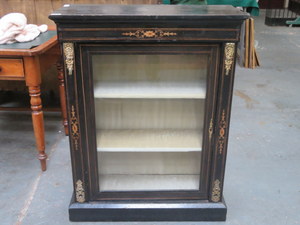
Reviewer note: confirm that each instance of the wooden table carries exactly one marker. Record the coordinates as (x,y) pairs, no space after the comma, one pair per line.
(27,61)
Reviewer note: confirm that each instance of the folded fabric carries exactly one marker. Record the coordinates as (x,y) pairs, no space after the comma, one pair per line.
(30,32)
(14,27)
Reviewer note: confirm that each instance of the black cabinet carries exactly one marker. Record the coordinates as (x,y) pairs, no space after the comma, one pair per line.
(149,91)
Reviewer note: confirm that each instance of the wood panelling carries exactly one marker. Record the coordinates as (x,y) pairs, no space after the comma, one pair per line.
(26,7)
(37,11)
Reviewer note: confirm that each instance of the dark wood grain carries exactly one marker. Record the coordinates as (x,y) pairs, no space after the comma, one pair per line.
(90,13)
(148,211)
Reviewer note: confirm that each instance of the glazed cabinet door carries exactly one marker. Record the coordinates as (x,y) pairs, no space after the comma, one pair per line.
(148,112)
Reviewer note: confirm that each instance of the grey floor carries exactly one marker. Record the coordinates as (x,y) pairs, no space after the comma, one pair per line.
(262,183)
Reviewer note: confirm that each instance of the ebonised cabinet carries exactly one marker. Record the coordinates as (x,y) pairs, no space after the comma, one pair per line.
(149,90)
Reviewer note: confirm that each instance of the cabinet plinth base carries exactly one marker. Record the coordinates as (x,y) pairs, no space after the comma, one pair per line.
(148,211)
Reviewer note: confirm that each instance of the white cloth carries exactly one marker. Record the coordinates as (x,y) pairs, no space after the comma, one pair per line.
(14,27)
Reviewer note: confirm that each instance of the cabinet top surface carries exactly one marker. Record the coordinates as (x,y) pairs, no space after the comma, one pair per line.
(100,11)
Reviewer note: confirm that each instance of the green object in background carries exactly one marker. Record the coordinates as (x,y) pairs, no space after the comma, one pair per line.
(185,2)
(189,2)
(251,4)
(294,22)
(242,3)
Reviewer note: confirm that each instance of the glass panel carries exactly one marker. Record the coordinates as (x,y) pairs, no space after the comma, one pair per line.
(149,118)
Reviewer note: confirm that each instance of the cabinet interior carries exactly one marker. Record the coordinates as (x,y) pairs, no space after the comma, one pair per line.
(149,112)
(142,171)
(150,76)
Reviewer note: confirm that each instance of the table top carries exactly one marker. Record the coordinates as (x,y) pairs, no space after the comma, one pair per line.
(39,45)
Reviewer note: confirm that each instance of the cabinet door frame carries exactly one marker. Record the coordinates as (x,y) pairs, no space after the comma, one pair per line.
(86,168)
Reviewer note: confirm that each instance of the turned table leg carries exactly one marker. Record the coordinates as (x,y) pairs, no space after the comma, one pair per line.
(33,81)
(62,96)
(38,123)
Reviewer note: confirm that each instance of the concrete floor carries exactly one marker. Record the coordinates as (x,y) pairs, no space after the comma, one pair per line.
(262,184)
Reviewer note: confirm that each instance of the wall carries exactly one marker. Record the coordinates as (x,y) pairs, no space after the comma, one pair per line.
(37,11)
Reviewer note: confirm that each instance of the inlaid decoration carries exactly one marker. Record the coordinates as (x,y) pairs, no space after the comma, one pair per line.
(69,56)
(229,57)
(157,33)
(74,128)
(80,194)
(210,130)
(222,131)
(216,192)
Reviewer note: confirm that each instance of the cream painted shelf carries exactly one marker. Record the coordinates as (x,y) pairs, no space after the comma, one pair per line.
(192,90)
(149,163)
(149,140)
(148,182)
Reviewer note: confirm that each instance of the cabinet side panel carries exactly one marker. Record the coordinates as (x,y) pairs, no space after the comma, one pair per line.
(225,89)
(74,120)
